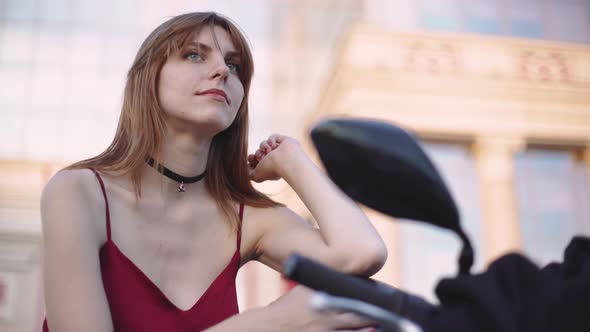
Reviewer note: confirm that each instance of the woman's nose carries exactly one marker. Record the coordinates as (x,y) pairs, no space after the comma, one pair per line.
(219,70)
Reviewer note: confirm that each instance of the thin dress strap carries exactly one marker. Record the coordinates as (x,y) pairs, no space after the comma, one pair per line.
(106,202)
(239,235)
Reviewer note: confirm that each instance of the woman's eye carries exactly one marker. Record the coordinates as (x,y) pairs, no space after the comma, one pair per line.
(234,68)
(194,56)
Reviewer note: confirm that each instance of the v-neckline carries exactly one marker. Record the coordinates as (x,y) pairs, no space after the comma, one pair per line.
(157,289)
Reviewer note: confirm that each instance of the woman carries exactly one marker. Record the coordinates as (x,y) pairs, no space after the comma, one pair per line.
(139,237)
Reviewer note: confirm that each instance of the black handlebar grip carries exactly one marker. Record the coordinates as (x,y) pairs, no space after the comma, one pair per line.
(322,278)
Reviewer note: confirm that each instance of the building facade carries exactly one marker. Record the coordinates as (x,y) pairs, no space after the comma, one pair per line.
(498,93)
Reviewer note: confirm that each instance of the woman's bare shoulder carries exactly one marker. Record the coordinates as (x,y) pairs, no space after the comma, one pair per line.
(72,199)
(69,179)
(75,184)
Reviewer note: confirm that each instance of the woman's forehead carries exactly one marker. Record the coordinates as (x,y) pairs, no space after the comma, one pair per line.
(214,37)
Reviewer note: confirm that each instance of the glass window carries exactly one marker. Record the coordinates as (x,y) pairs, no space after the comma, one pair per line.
(525,18)
(12,118)
(399,14)
(120,49)
(55,11)
(564,20)
(19,10)
(47,88)
(569,21)
(16,43)
(552,189)
(84,133)
(120,12)
(42,139)
(91,15)
(482,16)
(15,86)
(52,48)
(440,15)
(86,49)
(82,87)
(113,83)
(429,253)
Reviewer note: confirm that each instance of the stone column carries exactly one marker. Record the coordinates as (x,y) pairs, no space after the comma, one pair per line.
(495,167)
(586,162)
(585,199)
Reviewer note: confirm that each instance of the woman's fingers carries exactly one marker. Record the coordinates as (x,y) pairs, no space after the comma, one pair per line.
(271,143)
(366,329)
(252,160)
(265,147)
(274,140)
(349,321)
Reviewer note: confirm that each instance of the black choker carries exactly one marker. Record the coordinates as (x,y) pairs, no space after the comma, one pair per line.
(175,176)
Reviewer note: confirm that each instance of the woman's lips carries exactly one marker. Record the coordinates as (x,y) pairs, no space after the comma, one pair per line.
(215,94)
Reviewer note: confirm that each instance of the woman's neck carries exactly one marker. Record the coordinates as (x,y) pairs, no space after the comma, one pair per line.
(184,155)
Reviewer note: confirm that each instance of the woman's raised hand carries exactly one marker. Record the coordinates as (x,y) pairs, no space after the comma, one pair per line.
(272,156)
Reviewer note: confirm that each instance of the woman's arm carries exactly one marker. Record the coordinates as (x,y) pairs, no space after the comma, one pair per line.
(74,295)
(346,240)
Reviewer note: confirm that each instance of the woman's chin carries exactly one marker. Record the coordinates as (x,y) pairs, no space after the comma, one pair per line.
(210,127)
(203,122)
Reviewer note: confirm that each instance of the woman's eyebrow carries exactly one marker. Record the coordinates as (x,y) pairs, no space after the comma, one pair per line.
(233,55)
(206,48)
(199,46)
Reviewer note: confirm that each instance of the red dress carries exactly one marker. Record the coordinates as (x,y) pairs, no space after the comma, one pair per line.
(137,304)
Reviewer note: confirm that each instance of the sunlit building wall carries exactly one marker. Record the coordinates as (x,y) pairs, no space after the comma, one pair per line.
(496,90)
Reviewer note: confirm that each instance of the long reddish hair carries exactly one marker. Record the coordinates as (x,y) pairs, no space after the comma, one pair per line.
(141,125)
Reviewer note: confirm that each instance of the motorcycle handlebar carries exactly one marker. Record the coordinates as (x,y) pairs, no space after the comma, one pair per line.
(319,277)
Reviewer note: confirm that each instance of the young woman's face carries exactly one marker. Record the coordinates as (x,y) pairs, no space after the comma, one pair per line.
(201,85)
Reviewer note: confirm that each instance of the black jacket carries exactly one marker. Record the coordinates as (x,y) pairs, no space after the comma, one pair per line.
(514,295)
